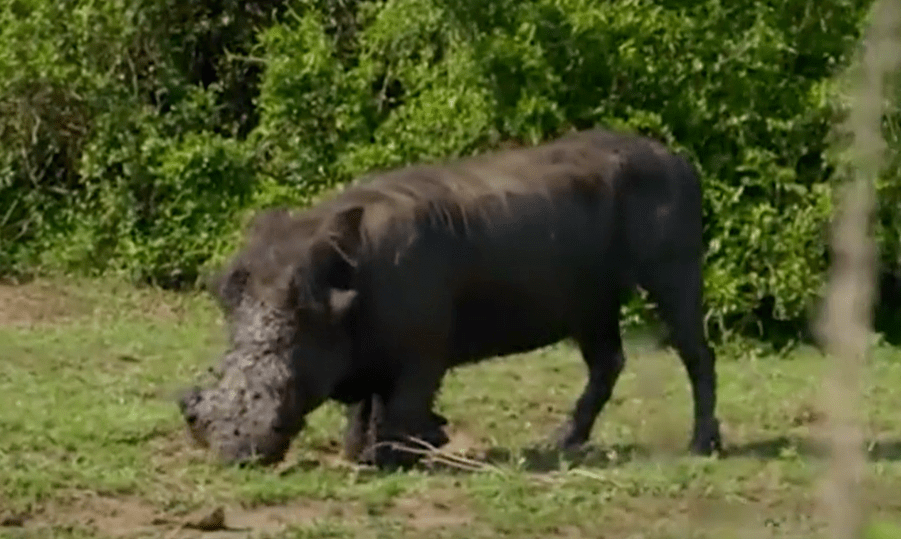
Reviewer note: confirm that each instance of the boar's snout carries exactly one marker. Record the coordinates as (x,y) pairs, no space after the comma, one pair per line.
(187,400)
(252,443)
(240,426)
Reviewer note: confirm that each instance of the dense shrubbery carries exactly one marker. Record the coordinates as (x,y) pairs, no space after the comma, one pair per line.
(134,135)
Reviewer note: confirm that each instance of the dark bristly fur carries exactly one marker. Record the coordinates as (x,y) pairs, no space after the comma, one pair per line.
(377,292)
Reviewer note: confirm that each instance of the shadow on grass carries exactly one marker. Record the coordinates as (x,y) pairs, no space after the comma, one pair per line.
(547,459)
(786,446)
(540,459)
(537,459)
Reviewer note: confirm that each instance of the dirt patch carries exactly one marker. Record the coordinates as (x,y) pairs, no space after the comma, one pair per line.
(132,517)
(437,510)
(44,302)
(36,303)
(122,517)
(706,517)
(246,521)
(460,442)
(115,517)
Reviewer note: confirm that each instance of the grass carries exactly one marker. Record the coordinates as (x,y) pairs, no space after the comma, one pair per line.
(92,444)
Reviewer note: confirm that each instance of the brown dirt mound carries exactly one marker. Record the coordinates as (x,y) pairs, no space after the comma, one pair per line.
(132,517)
(35,303)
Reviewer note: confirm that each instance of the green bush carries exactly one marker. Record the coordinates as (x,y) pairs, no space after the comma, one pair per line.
(108,112)
(159,209)
(308,106)
(150,127)
(744,89)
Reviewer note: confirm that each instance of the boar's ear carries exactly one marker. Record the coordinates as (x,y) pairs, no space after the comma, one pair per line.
(346,235)
(229,287)
(345,238)
(340,303)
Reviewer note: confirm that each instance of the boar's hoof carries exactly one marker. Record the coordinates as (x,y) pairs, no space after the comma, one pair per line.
(567,439)
(364,420)
(393,455)
(392,452)
(706,439)
(357,439)
(398,452)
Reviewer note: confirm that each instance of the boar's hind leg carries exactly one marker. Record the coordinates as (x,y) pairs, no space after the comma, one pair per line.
(602,351)
(677,287)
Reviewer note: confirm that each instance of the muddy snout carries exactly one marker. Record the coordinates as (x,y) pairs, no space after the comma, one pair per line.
(187,400)
(236,428)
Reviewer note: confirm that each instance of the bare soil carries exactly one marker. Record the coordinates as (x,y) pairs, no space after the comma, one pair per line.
(127,516)
(130,516)
(36,303)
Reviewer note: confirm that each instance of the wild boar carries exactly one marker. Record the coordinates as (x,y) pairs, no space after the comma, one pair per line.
(380,290)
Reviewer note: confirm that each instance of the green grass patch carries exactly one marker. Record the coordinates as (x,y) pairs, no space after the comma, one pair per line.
(93,444)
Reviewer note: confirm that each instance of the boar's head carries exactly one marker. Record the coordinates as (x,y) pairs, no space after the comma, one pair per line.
(287,300)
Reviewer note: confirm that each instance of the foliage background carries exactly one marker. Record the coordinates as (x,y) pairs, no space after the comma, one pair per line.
(136,136)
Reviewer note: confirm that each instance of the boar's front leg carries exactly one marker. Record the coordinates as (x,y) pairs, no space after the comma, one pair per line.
(358,431)
(407,412)
(364,420)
